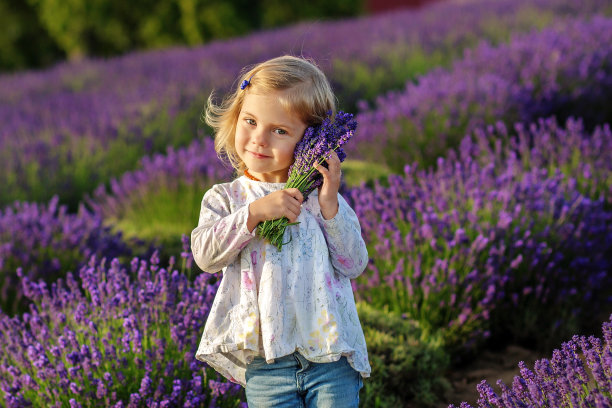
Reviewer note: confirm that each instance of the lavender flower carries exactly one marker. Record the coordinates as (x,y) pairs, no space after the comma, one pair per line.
(44,240)
(562,387)
(102,370)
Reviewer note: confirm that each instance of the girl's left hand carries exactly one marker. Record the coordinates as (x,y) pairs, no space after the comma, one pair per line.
(328,192)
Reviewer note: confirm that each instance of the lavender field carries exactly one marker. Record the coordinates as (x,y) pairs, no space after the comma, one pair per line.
(481,171)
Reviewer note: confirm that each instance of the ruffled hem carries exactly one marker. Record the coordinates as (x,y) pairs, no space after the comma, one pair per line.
(234,368)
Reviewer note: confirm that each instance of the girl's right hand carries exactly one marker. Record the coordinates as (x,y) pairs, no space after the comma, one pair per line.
(279,204)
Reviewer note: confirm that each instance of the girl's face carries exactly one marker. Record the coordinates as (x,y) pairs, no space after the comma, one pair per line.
(266,136)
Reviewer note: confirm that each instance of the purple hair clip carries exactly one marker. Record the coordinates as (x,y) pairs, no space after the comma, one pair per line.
(246,83)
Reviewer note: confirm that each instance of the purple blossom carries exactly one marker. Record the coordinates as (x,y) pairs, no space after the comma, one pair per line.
(44,241)
(312,150)
(100,368)
(134,401)
(316,144)
(561,387)
(74,404)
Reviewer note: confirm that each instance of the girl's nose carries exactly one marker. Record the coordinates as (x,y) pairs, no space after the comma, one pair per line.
(258,137)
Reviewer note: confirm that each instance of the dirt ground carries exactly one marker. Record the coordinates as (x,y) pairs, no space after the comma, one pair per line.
(490,366)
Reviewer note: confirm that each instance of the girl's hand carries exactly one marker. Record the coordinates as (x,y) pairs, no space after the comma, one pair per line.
(328,192)
(279,204)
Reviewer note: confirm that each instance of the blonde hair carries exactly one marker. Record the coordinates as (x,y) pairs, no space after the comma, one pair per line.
(308,94)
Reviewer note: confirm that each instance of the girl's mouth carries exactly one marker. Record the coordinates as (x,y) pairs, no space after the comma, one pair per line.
(259,156)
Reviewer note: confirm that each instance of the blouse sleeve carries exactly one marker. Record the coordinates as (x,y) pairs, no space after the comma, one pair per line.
(347,250)
(220,234)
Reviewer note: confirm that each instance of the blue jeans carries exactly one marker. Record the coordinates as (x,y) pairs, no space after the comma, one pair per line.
(294,382)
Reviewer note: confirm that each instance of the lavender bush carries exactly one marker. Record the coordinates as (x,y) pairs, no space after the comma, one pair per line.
(565,70)
(116,337)
(195,164)
(75,126)
(479,248)
(44,240)
(161,199)
(579,375)
(582,156)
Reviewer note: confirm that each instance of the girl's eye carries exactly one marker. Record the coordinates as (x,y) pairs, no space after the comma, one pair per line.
(281,131)
(250,121)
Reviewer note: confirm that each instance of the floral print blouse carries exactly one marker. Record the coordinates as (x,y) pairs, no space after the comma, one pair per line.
(271,303)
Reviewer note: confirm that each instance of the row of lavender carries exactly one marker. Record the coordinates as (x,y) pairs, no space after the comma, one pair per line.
(566,70)
(116,336)
(578,375)
(125,337)
(76,126)
(46,240)
(496,241)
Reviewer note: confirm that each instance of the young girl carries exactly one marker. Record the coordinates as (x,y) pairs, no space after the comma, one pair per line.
(283,323)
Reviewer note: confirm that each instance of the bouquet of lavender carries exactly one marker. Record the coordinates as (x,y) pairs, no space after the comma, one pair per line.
(314,148)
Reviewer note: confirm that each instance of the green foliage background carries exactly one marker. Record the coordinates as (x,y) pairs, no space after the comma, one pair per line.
(37,33)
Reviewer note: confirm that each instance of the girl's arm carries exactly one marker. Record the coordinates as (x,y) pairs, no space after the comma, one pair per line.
(347,250)
(220,234)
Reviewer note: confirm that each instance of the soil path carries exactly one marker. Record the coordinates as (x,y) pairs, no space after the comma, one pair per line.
(490,366)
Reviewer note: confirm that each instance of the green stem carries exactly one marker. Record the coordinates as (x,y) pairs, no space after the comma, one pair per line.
(274,230)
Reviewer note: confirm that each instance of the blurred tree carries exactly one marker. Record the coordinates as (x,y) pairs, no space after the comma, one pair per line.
(65,22)
(282,12)
(39,32)
(203,20)
(24,42)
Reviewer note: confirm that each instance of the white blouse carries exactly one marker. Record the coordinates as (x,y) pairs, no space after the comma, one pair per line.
(271,303)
